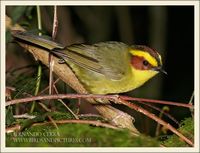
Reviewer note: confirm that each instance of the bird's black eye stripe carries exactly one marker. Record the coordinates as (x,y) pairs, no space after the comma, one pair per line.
(145,62)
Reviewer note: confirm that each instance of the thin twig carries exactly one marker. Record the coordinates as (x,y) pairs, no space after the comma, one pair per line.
(52,121)
(190,102)
(86,96)
(39,19)
(38,81)
(24,116)
(91,122)
(51,61)
(60,100)
(191,98)
(157,119)
(112,97)
(48,110)
(44,107)
(165,108)
(39,73)
(90,115)
(162,112)
(12,71)
(41,92)
(55,23)
(156,101)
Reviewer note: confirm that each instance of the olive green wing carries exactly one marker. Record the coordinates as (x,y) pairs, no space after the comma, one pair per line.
(114,58)
(77,54)
(41,41)
(110,59)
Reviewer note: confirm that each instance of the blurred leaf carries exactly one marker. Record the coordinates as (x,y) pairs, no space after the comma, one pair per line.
(25,24)
(8,37)
(20,11)
(9,116)
(61,115)
(24,84)
(17,12)
(29,12)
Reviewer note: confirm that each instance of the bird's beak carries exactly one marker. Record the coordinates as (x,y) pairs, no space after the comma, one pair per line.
(159,69)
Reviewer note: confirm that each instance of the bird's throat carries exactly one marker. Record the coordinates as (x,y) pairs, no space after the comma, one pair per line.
(141,76)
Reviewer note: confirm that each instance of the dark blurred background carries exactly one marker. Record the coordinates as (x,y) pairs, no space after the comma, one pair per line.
(168,29)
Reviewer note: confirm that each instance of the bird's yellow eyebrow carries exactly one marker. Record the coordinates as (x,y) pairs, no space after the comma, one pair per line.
(145,55)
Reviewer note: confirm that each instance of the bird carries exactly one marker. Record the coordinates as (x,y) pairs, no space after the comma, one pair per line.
(105,67)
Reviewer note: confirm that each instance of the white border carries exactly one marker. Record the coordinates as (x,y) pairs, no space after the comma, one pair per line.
(100,149)
(99,2)
(196,82)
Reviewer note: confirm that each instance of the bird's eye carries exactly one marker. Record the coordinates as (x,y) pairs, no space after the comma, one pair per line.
(145,63)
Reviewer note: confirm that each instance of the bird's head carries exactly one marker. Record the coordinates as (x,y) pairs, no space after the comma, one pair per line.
(145,62)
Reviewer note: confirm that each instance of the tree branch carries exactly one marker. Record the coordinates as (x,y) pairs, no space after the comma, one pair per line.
(91,122)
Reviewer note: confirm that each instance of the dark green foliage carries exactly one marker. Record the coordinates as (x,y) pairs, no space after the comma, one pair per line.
(9,116)
(20,11)
(8,37)
(17,13)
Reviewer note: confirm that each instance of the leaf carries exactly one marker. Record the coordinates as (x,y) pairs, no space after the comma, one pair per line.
(9,116)
(17,12)
(8,37)
(29,11)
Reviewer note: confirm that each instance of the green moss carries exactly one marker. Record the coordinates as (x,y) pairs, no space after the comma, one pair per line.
(187,129)
(77,135)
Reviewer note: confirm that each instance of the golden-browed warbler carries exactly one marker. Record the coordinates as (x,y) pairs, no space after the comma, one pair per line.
(104,67)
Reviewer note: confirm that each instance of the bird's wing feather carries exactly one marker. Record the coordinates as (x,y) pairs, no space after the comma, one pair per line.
(42,41)
(114,58)
(102,58)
